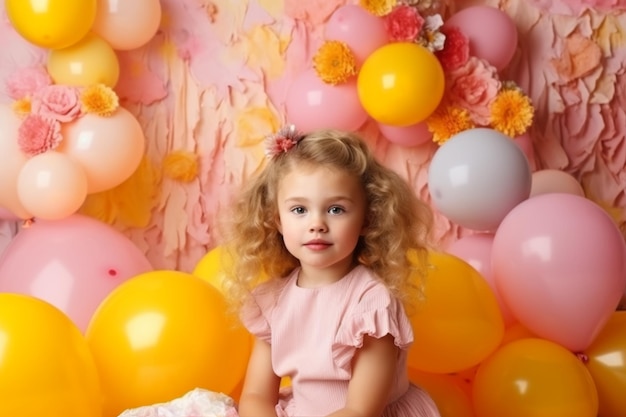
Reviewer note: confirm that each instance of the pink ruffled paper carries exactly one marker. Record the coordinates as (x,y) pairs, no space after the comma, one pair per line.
(196,403)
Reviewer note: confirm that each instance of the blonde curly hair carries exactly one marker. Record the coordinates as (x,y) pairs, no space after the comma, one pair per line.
(394,246)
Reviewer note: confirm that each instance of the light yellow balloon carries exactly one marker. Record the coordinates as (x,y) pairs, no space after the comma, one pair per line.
(52,23)
(90,61)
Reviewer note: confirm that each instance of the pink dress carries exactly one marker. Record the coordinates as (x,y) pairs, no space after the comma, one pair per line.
(314,333)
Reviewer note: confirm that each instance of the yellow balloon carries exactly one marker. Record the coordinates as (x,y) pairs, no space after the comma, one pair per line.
(210,267)
(607,365)
(534,378)
(459,323)
(162,334)
(90,61)
(52,23)
(400,84)
(46,368)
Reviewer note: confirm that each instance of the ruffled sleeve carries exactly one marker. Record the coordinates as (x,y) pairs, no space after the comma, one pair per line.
(256,314)
(377,314)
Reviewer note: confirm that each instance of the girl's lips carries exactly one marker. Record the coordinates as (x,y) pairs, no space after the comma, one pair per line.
(317,244)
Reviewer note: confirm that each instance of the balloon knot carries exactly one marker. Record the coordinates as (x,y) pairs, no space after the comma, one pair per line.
(28,223)
(582,356)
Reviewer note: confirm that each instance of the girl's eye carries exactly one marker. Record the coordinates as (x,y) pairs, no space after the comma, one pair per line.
(298,210)
(336,210)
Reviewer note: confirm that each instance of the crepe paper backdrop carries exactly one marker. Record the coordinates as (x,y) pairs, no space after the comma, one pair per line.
(214,80)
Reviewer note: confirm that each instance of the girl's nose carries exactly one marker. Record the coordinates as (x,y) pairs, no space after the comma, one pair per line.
(318,225)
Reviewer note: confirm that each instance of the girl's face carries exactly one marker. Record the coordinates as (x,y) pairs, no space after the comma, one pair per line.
(321,216)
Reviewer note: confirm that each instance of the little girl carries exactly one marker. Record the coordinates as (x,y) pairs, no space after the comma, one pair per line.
(331,228)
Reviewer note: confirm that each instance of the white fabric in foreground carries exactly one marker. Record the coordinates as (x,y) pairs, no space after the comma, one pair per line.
(196,403)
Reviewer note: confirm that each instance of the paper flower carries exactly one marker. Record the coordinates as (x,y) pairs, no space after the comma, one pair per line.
(38,134)
(511,112)
(473,87)
(334,62)
(181,166)
(447,121)
(27,81)
(59,102)
(403,24)
(431,37)
(455,52)
(22,107)
(378,7)
(99,99)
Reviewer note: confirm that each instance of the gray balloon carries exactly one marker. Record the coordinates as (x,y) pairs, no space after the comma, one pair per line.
(477,177)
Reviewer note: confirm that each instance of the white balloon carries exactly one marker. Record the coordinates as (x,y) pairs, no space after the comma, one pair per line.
(477,177)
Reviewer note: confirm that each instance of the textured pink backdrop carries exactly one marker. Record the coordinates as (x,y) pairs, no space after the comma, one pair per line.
(214,79)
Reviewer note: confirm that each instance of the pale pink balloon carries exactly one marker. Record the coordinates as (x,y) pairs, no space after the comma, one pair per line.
(356,27)
(108,148)
(72,263)
(492,33)
(312,104)
(127,24)
(475,249)
(12,159)
(52,186)
(408,136)
(558,261)
(554,181)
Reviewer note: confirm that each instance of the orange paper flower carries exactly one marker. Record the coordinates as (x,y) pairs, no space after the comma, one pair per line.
(511,112)
(334,62)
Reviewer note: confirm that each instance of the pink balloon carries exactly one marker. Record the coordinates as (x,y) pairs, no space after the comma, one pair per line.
(492,33)
(555,181)
(476,250)
(408,136)
(73,263)
(127,24)
(356,27)
(558,261)
(108,148)
(312,104)
(52,185)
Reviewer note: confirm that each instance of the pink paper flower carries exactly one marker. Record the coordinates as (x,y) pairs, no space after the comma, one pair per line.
(27,81)
(473,87)
(403,24)
(455,52)
(59,102)
(38,134)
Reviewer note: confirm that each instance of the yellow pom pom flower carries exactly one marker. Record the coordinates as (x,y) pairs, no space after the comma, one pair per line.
(378,7)
(334,62)
(511,112)
(447,121)
(99,99)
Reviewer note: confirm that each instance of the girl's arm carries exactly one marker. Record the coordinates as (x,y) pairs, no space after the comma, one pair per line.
(373,373)
(260,389)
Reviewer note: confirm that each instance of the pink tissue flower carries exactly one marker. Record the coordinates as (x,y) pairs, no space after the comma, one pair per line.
(473,87)
(38,134)
(455,52)
(26,82)
(57,102)
(403,24)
